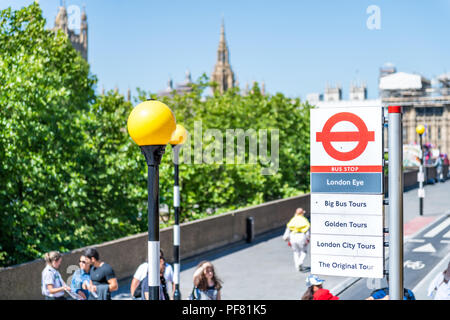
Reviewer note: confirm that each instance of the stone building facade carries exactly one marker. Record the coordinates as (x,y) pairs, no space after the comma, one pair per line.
(223,75)
(79,41)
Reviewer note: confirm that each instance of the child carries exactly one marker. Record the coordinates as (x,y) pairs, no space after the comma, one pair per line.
(206,284)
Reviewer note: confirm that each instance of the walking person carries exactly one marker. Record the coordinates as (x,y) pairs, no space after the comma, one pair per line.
(297,235)
(81,278)
(52,284)
(142,272)
(207,285)
(103,279)
(315,290)
(383,293)
(163,293)
(439,287)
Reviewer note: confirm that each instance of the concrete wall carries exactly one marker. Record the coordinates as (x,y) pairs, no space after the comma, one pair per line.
(125,254)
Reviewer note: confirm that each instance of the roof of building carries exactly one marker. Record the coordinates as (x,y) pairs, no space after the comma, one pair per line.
(347,103)
(402,81)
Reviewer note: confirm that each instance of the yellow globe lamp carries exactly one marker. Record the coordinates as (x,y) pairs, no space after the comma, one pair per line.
(179,136)
(151,123)
(420,129)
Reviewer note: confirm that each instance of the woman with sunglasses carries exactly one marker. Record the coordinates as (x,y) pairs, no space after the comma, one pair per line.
(81,278)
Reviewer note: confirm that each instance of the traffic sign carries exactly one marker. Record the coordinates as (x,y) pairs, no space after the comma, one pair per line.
(347,192)
(362,136)
(352,138)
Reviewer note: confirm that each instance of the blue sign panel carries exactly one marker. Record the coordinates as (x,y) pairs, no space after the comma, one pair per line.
(347,182)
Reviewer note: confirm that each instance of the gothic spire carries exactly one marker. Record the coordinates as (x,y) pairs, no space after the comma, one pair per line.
(222,74)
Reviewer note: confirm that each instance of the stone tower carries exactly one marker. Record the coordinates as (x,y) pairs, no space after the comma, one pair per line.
(79,41)
(223,74)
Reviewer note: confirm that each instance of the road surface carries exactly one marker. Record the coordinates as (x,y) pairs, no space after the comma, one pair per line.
(264,269)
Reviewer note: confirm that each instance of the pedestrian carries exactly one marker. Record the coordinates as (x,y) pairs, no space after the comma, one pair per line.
(52,284)
(81,278)
(440,287)
(207,285)
(315,290)
(103,279)
(297,235)
(142,271)
(163,294)
(383,293)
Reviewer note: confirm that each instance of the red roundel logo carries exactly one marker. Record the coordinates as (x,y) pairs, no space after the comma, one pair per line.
(362,136)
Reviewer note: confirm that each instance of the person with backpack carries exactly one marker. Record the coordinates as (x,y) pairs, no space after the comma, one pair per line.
(297,236)
(141,273)
(207,285)
(440,286)
(383,293)
(163,294)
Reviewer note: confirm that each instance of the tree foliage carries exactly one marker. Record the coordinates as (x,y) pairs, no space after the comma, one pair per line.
(70,175)
(226,185)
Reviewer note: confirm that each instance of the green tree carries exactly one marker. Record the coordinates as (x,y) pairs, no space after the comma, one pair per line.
(70,175)
(218,187)
(46,87)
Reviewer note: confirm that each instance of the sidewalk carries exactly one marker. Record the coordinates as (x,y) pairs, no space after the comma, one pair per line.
(265,269)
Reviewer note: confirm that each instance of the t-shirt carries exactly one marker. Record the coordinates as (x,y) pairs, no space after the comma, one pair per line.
(51,276)
(142,272)
(163,295)
(211,293)
(80,277)
(102,274)
(298,224)
(442,289)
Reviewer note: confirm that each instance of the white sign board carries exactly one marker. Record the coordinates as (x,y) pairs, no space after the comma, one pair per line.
(347,209)
(362,204)
(347,266)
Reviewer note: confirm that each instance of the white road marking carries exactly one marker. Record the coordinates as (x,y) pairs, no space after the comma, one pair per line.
(432,233)
(425,248)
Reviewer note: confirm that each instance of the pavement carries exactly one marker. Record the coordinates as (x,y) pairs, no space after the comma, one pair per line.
(264,269)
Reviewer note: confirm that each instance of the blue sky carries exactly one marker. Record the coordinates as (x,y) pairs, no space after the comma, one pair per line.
(295,47)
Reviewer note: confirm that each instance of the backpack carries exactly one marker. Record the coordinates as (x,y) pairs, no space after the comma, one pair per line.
(408,294)
(195,294)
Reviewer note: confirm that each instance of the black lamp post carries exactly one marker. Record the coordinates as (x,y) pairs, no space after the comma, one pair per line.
(150,125)
(178,138)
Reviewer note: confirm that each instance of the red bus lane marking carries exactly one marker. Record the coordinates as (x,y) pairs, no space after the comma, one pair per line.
(416,224)
(362,136)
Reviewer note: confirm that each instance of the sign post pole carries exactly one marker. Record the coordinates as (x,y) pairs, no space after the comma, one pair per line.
(395,142)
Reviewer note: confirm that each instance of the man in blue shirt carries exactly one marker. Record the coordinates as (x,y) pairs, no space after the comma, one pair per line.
(81,278)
